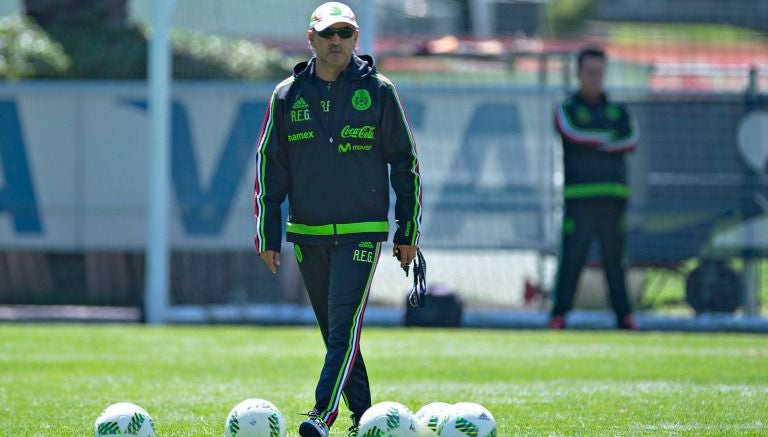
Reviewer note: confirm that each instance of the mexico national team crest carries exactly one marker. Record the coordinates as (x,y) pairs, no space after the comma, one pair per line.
(361,100)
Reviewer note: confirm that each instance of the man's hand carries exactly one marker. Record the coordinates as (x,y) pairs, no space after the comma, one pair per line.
(271,259)
(407,254)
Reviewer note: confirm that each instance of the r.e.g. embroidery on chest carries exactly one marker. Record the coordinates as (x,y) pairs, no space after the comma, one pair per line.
(300,111)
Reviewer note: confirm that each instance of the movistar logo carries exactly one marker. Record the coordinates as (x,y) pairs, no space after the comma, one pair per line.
(300,103)
(344,148)
(308,135)
(367,132)
(335,11)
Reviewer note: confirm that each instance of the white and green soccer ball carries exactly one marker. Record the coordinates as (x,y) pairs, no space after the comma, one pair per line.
(429,417)
(388,419)
(124,418)
(467,419)
(254,418)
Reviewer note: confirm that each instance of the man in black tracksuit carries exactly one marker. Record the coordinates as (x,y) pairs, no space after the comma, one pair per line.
(596,133)
(334,138)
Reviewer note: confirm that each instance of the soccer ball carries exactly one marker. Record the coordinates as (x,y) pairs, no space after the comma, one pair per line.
(388,419)
(429,417)
(467,419)
(124,418)
(254,418)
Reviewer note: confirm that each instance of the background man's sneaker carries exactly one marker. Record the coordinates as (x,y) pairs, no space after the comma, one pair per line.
(557,322)
(628,322)
(314,426)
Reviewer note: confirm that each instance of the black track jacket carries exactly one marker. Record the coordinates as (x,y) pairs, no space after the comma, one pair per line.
(335,166)
(596,136)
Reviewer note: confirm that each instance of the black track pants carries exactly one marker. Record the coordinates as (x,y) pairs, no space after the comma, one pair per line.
(338,279)
(585,220)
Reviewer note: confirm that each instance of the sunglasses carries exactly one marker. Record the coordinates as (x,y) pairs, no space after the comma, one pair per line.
(344,33)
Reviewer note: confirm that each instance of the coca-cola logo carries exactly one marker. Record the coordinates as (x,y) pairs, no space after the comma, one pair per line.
(363,132)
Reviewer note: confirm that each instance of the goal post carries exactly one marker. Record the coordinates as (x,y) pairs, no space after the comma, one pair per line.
(157,269)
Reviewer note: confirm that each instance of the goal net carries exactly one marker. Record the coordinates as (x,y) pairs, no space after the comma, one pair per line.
(478,80)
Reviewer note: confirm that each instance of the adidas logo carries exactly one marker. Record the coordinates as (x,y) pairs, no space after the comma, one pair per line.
(300,104)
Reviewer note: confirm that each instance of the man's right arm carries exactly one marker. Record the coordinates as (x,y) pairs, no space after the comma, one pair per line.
(271,259)
(271,182)
(572,133)
(404,175)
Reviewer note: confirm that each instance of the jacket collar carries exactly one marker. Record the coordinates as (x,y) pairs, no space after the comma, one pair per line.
(577,98)
(359,67)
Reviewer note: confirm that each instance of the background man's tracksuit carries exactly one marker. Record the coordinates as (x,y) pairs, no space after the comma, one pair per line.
(334,151)
(595,138)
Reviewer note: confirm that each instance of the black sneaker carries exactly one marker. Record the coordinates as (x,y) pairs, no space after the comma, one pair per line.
(314,426)
(355,428)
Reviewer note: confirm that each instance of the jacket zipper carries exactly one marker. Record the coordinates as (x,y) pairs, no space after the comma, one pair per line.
(331,123)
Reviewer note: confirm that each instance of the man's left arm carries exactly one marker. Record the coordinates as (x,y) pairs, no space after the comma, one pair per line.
(625,136)
(400,153)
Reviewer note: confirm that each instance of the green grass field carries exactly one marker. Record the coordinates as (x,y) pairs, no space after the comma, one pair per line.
(56,379)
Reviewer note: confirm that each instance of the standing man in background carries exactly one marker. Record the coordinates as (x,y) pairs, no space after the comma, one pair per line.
(334,138)
(596,134)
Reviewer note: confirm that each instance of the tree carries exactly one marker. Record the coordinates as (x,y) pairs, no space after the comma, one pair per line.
(95,35)
(99,42)
(568,17)
(108,13)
